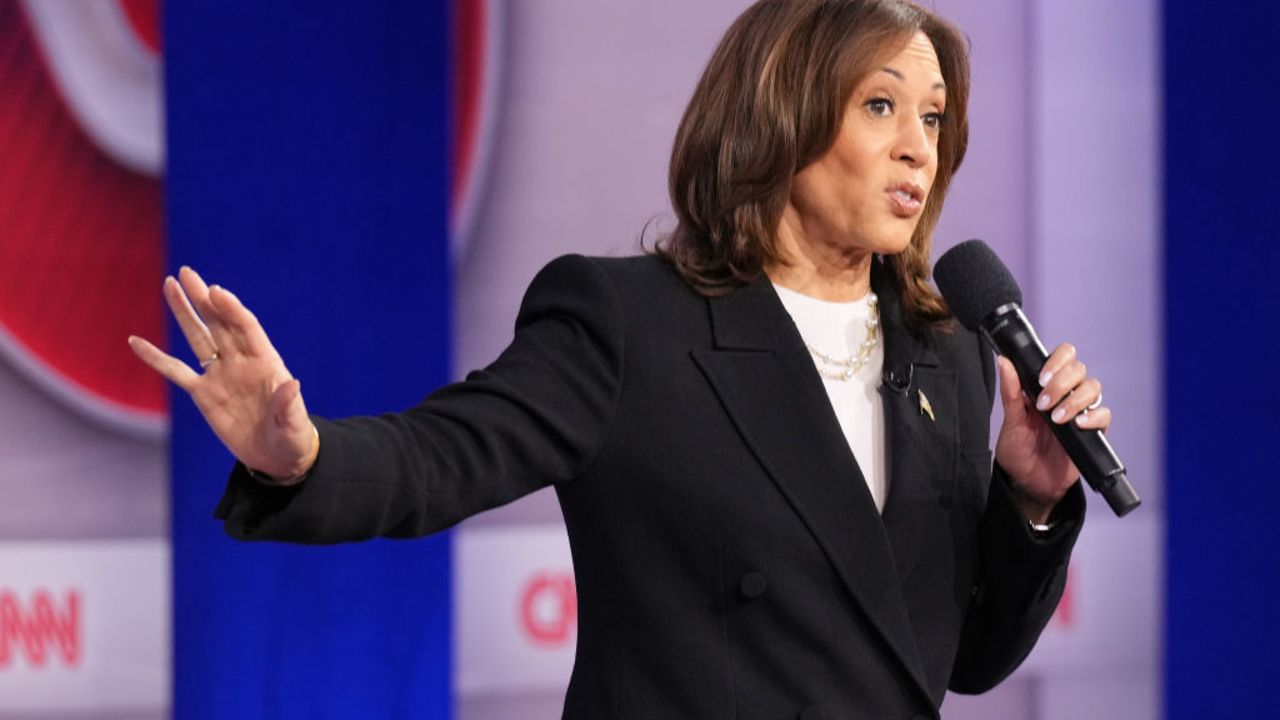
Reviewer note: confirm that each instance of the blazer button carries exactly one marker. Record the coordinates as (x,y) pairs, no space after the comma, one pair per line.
(980,592)
(753,585)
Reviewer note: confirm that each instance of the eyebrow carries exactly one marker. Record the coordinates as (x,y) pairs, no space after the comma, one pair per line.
(936,86)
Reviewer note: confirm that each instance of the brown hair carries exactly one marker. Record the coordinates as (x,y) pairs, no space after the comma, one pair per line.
(769,103)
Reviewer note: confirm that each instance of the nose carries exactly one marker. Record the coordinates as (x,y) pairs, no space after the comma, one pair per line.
(913,146)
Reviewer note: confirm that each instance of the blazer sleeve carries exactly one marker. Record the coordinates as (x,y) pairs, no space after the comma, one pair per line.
(1020,580)
(534,417)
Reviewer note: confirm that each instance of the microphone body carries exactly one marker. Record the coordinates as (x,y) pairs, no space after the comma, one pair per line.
(1011,334)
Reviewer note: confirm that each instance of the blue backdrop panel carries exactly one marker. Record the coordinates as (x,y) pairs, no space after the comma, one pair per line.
(1222,310)
(308,173)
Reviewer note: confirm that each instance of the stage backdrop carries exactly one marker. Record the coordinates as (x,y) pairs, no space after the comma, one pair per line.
(84,549)
(309,166)
(1222,260)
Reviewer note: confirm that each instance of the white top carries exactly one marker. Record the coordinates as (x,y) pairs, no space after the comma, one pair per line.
(837,330)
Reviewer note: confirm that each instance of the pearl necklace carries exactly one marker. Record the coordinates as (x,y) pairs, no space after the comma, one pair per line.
(844,369)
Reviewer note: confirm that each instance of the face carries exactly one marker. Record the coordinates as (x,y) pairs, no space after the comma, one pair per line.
(867,192)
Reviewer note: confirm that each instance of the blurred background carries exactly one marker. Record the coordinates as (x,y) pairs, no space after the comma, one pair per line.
(380,181)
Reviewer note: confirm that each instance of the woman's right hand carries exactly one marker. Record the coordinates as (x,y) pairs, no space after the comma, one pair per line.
(245,392)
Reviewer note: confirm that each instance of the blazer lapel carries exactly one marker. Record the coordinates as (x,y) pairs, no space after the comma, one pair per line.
(921,425)
(767,382)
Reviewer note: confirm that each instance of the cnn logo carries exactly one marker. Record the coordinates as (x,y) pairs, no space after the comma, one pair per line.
(549,608)
(40,629)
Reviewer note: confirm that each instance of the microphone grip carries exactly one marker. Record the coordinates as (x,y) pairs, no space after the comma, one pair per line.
(1011,334)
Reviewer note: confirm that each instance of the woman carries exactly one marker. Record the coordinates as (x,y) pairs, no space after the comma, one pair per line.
(769,442)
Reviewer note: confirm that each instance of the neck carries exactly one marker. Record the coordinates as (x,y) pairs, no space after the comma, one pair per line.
(823,270)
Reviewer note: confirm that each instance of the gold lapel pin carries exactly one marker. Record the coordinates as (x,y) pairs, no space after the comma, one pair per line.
(925,407)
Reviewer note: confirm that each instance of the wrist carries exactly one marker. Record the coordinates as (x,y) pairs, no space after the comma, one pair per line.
(1038,515)
(296,477)
(1038,511)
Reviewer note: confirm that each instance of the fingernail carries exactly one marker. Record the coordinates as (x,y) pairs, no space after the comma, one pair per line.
(1045,377)
(1059,414)
(1042,402)
(1082,418)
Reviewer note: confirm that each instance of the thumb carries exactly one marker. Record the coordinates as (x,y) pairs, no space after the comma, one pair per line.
(287,407)
(1010,389)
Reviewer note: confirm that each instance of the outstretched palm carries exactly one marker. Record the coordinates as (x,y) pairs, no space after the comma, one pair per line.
(245,392)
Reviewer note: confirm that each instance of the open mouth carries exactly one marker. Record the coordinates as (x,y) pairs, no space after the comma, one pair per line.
(906,199)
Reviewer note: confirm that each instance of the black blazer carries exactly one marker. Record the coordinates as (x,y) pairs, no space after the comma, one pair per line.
(730,561)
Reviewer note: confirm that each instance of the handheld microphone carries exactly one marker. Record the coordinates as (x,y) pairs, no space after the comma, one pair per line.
(985,298)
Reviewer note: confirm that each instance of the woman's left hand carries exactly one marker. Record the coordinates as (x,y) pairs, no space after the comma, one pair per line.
(1037,465)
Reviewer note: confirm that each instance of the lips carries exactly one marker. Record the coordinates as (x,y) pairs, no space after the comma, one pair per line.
(905,199)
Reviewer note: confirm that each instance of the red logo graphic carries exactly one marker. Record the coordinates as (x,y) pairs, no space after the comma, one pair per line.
(479,29)
(1065,616)
(42,631)
(549,608)
(81,207)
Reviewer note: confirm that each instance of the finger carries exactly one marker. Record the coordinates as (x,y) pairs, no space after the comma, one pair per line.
(1097,419)
(287,406)
(193,328)
(1077,401)
(195,288)
(1010,389)
(1061,384)
(1061,356)
(198,291)
(170,367)
(240,322)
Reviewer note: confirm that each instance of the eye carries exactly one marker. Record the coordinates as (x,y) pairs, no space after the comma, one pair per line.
(933,120)
(879,107)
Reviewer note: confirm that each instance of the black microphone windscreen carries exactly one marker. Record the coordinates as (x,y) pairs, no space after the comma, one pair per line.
(974,282)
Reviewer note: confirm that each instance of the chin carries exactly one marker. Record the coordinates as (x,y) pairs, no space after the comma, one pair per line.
(891,245)
(880,238)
